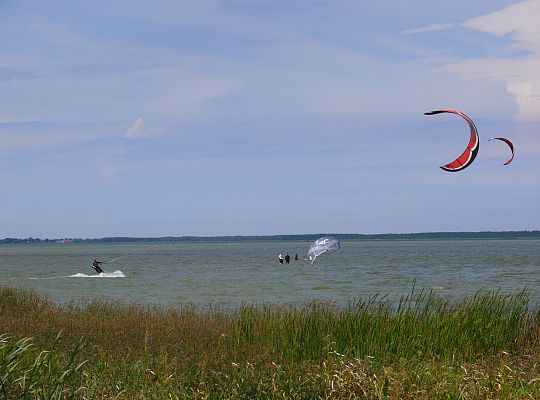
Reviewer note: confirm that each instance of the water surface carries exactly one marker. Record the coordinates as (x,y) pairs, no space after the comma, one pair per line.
(233,273)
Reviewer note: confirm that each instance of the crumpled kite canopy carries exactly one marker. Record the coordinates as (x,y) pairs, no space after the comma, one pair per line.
(322,245)
(509,143)
(470,153)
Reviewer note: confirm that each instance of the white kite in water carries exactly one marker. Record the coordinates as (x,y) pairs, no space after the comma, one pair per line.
(322,245)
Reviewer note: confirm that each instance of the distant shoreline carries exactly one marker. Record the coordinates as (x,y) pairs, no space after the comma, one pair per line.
(296,237)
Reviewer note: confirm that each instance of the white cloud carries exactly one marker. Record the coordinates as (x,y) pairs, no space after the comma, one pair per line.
(519,23)
(138,129)
(429,28)
(186,95)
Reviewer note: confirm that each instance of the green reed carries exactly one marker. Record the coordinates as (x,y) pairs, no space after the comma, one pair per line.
(421,346)
(420,324)
(24,375)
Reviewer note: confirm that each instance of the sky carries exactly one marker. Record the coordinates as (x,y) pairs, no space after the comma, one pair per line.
(262,117)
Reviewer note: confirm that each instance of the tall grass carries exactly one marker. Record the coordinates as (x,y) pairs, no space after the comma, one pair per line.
(421,323)
(25,376)
(376,348)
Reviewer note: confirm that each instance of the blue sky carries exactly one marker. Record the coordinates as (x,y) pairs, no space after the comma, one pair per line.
(265,117)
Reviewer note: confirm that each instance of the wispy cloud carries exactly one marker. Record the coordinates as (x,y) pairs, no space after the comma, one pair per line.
(520,22)
(8,74)
(429,28)
(37,136)
(138,129)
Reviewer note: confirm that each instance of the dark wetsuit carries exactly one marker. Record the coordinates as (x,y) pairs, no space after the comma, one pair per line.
(96,264)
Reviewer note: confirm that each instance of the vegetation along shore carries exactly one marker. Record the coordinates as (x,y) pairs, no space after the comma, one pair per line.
(298,237)
(426,347)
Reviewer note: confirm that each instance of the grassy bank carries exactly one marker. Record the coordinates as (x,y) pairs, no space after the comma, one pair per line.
(428,347)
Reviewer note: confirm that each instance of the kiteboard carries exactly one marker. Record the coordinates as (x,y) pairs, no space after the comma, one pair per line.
(105,274)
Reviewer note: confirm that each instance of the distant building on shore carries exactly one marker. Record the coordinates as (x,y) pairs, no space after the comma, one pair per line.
(64,241)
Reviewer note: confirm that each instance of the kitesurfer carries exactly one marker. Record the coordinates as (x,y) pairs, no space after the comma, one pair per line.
(96,265)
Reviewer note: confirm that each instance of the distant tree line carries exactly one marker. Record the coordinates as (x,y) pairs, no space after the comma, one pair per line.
(298,237)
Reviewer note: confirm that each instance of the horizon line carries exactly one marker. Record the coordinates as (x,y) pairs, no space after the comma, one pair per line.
(305,235)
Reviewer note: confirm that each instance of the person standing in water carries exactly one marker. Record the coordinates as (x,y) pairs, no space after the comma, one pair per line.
(96,265)
(287,258)
(280,257)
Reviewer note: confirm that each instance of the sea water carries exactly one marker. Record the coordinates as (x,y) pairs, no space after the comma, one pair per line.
(233,273)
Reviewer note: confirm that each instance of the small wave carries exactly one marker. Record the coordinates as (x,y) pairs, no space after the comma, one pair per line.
(50,277)
(115,274)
